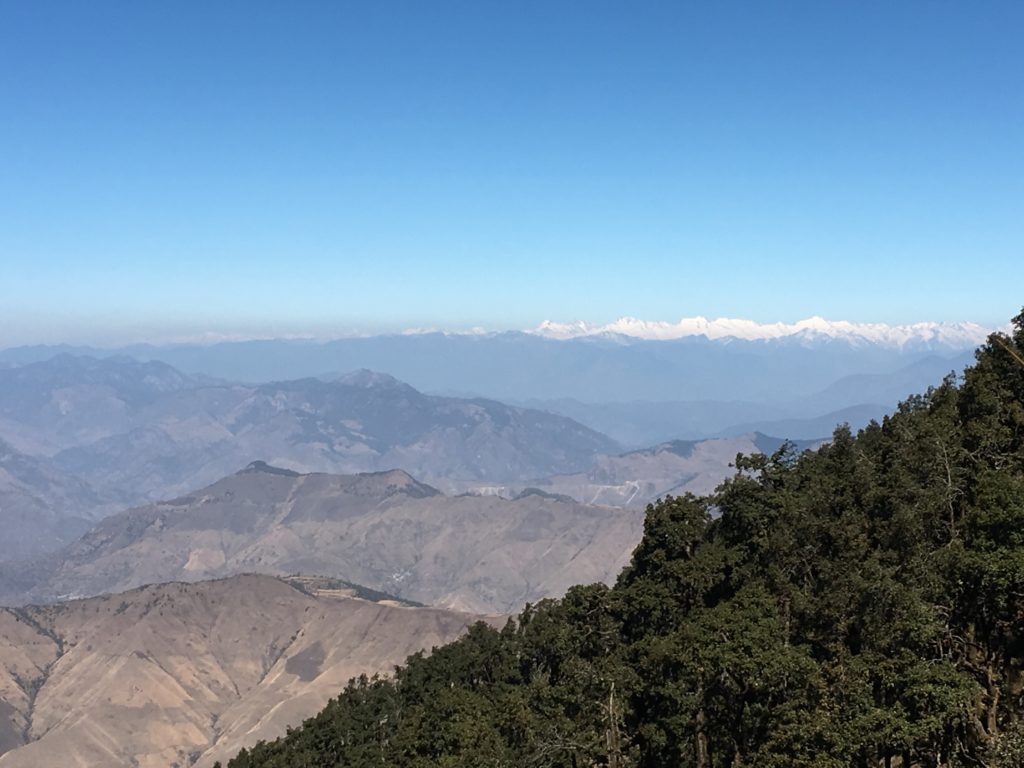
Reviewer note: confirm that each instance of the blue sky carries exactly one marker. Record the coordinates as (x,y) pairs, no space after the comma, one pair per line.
(257,168)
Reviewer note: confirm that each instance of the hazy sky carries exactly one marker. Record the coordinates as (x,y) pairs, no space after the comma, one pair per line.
(169,168)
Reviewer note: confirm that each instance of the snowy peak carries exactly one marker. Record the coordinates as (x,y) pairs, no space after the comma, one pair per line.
(811,330)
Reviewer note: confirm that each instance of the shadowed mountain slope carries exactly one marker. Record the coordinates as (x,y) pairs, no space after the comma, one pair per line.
(42,507)
(68,401)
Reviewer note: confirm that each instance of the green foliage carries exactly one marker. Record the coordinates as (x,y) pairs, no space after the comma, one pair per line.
(1008,749)
(860,605)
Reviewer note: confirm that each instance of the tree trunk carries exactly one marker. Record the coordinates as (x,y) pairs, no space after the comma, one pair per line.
(612,732)
(701,745)
(992,711)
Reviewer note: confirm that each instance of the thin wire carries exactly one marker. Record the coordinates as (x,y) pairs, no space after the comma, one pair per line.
(1013,353)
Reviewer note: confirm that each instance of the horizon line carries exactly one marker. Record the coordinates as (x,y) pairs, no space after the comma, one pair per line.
(947,333)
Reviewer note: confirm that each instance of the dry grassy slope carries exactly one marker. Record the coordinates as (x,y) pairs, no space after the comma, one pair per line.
(26,653)
(385,531)
(174,673)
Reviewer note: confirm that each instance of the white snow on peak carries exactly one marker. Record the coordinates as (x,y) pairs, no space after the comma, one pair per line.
(954,335)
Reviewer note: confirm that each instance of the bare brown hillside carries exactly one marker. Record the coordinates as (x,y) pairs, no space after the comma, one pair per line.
(185,674)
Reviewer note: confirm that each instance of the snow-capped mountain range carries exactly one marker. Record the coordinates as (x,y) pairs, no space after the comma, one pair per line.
(813,329)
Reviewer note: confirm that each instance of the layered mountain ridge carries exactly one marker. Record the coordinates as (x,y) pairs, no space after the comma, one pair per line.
(80,438)
(384,530)
(592,367)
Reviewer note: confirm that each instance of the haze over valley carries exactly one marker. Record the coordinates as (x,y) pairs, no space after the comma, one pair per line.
(697,386)
(177,465)
(120,470)
(87,435)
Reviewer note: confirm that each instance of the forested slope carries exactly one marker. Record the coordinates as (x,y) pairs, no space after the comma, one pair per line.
(860,605)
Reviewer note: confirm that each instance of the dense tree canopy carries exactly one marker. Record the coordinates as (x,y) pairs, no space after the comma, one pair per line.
(859,605)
